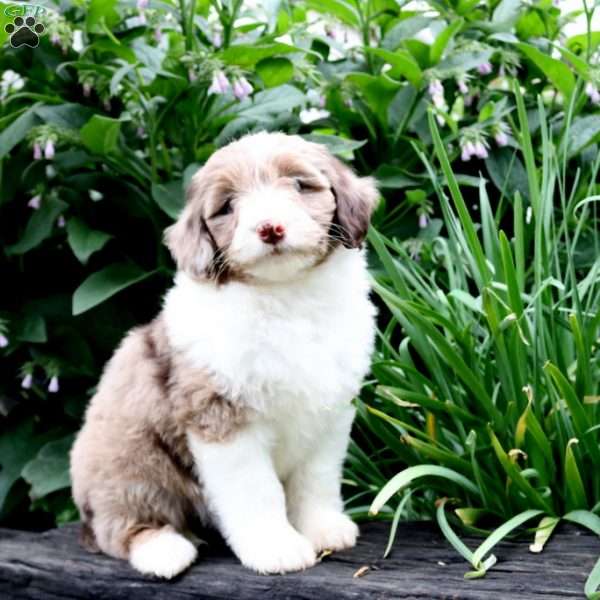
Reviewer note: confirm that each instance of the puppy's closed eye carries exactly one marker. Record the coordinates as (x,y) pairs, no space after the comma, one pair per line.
(305,185)
(226,208)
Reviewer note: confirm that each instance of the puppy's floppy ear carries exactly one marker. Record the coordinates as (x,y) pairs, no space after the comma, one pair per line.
(355,198)
(189,239)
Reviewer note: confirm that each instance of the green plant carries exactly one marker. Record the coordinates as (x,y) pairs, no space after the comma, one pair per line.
(488,372)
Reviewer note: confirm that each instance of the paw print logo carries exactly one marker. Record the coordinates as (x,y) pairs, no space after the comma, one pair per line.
(24,32)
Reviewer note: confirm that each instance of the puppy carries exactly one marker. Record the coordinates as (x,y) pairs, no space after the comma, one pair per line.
(233,407)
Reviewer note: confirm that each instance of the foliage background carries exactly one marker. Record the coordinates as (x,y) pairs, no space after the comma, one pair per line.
(103,124)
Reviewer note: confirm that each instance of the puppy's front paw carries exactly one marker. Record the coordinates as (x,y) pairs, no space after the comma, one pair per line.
(329,530)
(161,552)
(277,551)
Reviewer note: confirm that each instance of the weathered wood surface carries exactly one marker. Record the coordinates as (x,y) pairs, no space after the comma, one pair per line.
(51,565)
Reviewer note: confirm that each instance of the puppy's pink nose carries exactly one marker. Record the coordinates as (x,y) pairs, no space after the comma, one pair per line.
(270,233)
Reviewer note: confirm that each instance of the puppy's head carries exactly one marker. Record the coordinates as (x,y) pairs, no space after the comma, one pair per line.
(267,207)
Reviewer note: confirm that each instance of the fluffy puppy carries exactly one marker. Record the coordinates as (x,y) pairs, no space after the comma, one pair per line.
(233,407)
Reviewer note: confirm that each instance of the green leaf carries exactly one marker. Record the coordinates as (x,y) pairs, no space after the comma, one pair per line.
(67,116)
(593,583)
(402,62)
(18,445)
(392,177)
(574,489)
(83,240)
(49,471)
(247,55)
(272,101)
(585,518)
(17,130)
(99,13)
(341,9)
(403,30)
(583,132)
(335,144)
(436,50)
(275,71)
(507,11)
(507,172)
(555,70)
(39,226)
(31,328)
(101,134)
(406,477)
(103,284)
(458,62)
(169,196)
(543,533)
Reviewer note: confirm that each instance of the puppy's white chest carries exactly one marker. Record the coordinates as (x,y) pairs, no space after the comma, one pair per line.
(305,343)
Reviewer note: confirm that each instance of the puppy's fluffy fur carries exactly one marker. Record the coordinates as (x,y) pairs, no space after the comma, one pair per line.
(233,407)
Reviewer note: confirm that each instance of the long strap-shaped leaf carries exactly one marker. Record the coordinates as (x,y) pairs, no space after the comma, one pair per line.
(409,475)
(588,519)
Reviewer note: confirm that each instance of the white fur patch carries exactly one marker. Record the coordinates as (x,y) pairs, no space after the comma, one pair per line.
(329,530)
(164,554)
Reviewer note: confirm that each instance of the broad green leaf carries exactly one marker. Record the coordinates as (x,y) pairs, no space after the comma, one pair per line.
(555,70)
(436,50)
(100,134)
(67,116)
(593,583)
(406,477)
(272,101)
(31,328)
(392,177)
(275,71)
(169,196)
(507,11)
(18,445)
(335,144)
(247,55)
(403,30)
(583,132)
(402,62)
(103,284)
(342,9)
(49,471)
(17,130)
(459,62)
(507,172)
(84,240)
(101,14)
(39,226)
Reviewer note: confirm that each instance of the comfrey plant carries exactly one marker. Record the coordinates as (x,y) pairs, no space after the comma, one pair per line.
(487,380)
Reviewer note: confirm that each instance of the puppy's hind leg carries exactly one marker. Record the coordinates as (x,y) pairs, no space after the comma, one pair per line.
(161,552)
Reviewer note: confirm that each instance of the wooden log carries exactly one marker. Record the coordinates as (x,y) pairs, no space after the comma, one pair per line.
(52,565)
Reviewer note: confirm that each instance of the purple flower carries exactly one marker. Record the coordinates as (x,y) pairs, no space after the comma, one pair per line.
(49,150)
(468,150)
(27,381)
(423,220)
(435,88)
(480,149)
(55,39)
(501,138)
(53,386)
(140,132)
(37,151)
(192,76)
(220,84)
(217,39)
(61,221)
(158,35)
(485,68)
(241,88)
(142,4)
(462,86)
(35,202)
(3,341)
(592,92)
(87,89)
